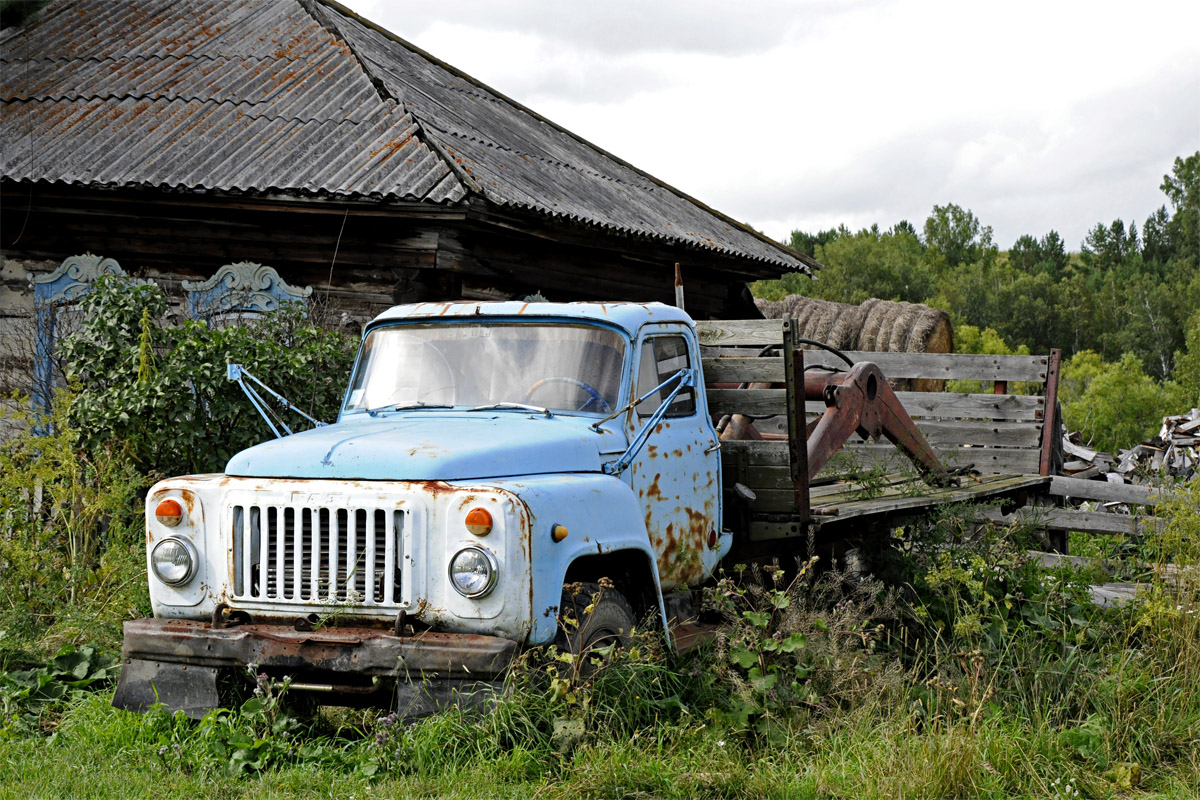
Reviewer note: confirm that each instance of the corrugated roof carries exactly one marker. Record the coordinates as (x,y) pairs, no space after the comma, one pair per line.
(287,96)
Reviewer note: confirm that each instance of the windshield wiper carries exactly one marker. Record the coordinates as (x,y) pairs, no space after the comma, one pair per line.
(375,412)
(512,407)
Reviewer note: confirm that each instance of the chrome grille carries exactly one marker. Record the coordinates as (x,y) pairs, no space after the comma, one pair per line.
(299,554)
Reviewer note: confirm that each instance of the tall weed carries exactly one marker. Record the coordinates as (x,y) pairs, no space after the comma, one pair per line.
(71,556)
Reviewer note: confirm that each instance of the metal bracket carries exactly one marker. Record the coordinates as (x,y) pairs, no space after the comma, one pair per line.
(237,373)
(685,377)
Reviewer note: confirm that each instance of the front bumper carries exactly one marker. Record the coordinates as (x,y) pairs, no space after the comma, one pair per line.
(176,662)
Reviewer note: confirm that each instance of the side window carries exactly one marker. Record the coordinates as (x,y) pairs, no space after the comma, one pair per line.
(662,357)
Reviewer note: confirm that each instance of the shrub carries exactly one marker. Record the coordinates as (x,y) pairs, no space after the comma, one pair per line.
(796,647)
(71,547)
(162,389)
(1116,406)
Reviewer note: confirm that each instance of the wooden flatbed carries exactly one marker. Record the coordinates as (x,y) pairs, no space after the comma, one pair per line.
(1000,438)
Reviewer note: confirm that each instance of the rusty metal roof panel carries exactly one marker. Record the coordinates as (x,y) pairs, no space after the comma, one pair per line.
(249,95)
(329,85)
(192,145)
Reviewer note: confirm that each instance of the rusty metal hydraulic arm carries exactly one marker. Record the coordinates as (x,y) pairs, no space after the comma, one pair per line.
(861,401)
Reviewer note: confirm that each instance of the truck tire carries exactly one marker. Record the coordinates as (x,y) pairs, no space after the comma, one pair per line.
(609,621)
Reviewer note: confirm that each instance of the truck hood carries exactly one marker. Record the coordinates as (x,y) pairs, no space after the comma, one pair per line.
(428,445)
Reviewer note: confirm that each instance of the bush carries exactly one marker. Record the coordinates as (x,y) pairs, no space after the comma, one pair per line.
(1115,406)
(72,559)
(793,649)
(162,390)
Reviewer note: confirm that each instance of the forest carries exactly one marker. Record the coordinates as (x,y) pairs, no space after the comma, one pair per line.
(1124,309)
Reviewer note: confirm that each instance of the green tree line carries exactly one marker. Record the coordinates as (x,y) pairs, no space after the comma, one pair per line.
(1125,307)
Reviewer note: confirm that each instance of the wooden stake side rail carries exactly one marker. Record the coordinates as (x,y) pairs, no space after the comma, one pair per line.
(1001,436)
(769,369)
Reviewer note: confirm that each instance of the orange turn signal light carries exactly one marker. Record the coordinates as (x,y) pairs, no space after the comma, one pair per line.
(169,512)
(479,521)
(558,532)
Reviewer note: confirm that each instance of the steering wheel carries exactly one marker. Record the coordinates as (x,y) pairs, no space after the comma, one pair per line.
(594,395)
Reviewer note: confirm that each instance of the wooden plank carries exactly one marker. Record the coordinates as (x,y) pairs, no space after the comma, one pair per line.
(1066,519)
(759,453)
(742,369)
(747,401)
(932,405)
(953,405)
(931,497)
(958,433)
(739,332)
(766,530)
(948,366)
(986,460)
(1102,491)
(848,502)
(1051,456)
(950,439)
(797,443)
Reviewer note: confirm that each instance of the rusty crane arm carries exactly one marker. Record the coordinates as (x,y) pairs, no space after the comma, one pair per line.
(861,401)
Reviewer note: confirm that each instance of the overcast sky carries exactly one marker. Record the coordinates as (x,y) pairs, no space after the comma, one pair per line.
(812,113)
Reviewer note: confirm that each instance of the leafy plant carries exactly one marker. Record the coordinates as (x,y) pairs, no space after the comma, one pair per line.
(27,695)
(161,389)
(70,522)
(795,646)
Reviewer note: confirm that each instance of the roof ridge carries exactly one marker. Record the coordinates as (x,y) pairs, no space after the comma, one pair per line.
(806,261)
(322,19)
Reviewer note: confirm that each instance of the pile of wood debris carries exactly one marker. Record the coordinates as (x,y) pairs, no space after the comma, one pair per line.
(1174,452)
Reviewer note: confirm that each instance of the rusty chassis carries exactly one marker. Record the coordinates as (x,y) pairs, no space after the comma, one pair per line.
(181,659)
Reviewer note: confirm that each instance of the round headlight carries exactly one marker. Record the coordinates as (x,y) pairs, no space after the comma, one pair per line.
(473,572)
(174,561)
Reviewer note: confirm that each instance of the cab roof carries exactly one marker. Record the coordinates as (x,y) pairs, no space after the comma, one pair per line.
(629,316)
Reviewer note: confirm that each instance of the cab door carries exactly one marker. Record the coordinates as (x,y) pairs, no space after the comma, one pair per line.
(677,474)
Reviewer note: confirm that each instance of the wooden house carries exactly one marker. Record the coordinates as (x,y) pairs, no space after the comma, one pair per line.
(171,138)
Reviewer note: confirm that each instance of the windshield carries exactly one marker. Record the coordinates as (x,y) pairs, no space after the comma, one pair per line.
(559,367)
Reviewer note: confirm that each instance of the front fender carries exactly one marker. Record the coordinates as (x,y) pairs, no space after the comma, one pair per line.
(602,515)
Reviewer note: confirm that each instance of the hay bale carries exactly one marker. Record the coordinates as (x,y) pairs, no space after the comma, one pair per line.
(879,325)
(894,327)
(836,324)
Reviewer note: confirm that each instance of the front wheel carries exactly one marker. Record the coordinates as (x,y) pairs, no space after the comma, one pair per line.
(591,617)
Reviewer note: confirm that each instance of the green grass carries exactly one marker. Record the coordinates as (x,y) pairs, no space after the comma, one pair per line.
(974,675)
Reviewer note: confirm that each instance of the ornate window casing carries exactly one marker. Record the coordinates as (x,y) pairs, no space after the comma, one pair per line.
(237,292)
(53,294)
(240,291)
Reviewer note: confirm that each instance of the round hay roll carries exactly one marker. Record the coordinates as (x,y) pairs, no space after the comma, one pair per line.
(880,325)
(896,327)
(770,309)
(836,324)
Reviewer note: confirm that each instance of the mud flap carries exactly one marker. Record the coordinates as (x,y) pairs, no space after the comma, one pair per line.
(180,687)
(419,698)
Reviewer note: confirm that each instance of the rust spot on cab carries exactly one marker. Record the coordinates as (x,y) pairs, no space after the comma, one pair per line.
(653,492)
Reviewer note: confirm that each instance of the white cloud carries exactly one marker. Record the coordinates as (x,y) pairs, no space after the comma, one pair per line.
(1036,115)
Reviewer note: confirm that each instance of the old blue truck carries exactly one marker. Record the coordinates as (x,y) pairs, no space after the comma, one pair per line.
(488,454)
